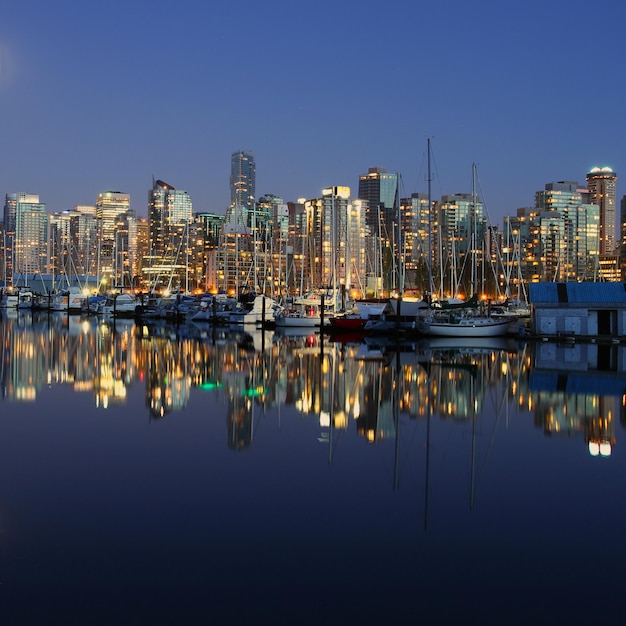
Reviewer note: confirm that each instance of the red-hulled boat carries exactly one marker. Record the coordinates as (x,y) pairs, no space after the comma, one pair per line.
(346,323)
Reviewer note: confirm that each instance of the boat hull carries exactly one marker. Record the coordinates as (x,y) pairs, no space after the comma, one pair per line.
(472,327)
(347,324)
(299,321)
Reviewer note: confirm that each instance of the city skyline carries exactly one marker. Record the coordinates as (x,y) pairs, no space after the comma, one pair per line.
(92,100)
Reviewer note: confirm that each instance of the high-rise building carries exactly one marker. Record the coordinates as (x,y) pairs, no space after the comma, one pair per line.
(297,244)
(125,250)
(462,238)
(143,248)
(270,238)
(242,188)
(170,211)
(578,248)
(84,240)
(26,231)
(622,247)
(8,236)
(601,182)
(336,242)
(110,207)
(379,189)
(417,249)
(60,246)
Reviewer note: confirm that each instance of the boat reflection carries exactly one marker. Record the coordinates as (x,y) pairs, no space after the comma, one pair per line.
(370,387)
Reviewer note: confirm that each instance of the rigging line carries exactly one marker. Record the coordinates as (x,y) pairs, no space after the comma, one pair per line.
(422,173)
(435,171)
(490,228)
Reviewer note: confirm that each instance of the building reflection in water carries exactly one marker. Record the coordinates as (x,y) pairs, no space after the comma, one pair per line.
(571,389)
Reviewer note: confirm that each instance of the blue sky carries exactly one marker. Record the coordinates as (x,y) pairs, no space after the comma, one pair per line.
(103,96)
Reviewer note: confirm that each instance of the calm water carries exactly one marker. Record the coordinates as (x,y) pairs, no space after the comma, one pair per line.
(180,476)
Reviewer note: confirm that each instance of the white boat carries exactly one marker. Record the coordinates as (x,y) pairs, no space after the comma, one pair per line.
(68,300)
(372,308)
(389,321)
(215,310)
(25,299)
(118,305)
(75,299)
(299,319)
(302,315)
(58,301)
(10,298)
(462,324)
(262,310)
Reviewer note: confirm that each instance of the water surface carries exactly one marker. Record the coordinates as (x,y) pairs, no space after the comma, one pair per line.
(163,475)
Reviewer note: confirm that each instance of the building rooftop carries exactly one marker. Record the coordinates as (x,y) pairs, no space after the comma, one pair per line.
(577,293)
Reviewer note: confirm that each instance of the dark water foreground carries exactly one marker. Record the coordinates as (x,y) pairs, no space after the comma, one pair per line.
(158,479)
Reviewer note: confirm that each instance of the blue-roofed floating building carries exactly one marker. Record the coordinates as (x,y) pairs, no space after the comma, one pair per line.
(586,310)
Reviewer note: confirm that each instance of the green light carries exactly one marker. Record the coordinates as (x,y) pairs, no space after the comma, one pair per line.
(209,386)
(254,393)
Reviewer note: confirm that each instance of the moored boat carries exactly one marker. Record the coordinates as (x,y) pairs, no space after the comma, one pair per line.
(347,323)
(118,305)
(460,324)
(9,298)
(262,310)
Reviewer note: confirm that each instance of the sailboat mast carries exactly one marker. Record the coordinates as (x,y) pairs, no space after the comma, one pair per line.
(472,241)
(399,238)
(430,225)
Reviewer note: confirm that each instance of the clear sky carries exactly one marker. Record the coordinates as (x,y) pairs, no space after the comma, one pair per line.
(98,96)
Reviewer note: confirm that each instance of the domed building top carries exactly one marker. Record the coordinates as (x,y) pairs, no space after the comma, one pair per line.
(601,170)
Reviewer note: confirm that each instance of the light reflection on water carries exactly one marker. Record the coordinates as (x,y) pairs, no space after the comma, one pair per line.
(179,470)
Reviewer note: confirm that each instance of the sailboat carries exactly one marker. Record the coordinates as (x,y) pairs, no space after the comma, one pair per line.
(453,323)
(464,319)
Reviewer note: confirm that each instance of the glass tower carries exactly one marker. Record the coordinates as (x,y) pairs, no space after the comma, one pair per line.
(170,211)
(379,189)
(242,188)
(26,229)
(110,207)
(601,183)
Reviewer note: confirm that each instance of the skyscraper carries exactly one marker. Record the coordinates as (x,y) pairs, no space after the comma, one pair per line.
(462,233)
(26,230)
(379,189)
(110,207)
(601,183)
(170,211)
(242,188)
(336,241)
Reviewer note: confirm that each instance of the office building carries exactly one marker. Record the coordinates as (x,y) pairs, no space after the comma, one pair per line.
(601,182)
(335,240)
(110,207)
(417,244)
(242,188)
(84,240)
(578,246)
(170,211)
(379,189)
(462,241)
(25,234)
